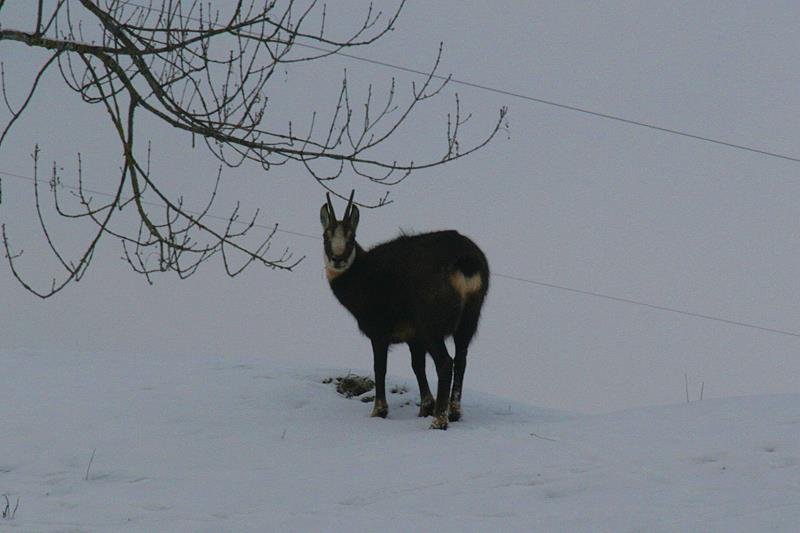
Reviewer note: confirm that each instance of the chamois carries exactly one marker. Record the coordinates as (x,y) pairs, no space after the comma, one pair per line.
(418,290)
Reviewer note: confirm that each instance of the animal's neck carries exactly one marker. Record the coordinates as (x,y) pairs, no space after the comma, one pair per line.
(349,285)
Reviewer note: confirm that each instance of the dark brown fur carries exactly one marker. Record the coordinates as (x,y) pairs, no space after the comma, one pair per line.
(418,290)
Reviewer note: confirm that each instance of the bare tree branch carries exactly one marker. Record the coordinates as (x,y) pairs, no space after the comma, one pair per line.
(208,72)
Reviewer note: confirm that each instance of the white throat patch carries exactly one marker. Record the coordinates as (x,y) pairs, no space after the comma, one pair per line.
(332,272)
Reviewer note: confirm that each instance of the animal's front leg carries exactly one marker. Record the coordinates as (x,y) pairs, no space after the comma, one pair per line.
(379,353)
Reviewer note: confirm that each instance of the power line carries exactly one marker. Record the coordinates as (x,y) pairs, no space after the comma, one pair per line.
(568,107)
(573,290)
(528,98)
(649,305)
(596,114)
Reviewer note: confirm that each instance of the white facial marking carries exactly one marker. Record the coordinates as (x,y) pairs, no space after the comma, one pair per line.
(338,241)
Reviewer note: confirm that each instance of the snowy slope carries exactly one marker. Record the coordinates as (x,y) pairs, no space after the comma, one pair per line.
(242,444)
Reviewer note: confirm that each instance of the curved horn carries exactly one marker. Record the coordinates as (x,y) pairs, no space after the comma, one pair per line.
(349,204)
(330,206)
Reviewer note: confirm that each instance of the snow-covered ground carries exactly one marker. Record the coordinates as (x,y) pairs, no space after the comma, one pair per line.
(233,443)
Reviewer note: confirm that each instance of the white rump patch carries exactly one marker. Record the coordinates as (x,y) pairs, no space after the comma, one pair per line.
(466,285)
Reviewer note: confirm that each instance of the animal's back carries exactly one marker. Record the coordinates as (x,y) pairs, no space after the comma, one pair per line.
(425,257)
(426,278)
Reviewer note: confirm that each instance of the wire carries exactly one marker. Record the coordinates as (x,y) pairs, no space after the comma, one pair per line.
(553,103)
(559,105)
(649,305)
(573,290)
(568,107)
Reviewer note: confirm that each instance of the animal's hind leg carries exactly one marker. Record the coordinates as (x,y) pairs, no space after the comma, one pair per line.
(444,371)
(459,366)
(418,364)
(461,338)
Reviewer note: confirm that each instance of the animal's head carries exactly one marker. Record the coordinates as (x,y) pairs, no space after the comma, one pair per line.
(339,236)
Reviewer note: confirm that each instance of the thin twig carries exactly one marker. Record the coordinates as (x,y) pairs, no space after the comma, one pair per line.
(8,512)
(86,478)
(210,74)
(686,380)
(543,438)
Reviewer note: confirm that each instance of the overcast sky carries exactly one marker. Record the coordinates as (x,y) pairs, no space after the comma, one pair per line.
(562,197)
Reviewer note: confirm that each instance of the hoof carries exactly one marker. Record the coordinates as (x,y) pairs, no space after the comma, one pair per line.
(380,410)
(455,412)
(426,407)
(440,422)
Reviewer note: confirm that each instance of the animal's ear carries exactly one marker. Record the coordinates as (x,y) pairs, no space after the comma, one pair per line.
(353,217)
(325,216)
